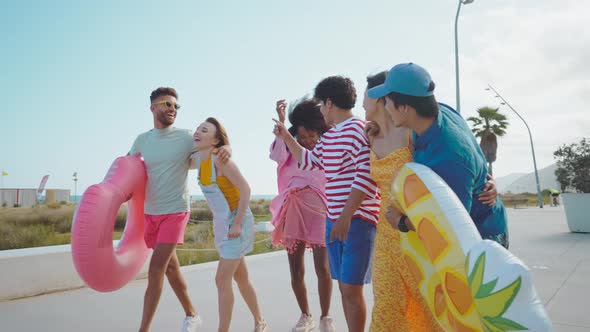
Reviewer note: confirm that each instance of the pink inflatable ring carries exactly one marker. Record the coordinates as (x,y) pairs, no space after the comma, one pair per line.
(101,266)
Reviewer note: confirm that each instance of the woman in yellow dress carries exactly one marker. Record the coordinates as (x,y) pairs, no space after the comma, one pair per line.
(398,304)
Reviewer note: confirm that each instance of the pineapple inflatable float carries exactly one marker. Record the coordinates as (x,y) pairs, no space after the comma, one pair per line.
(470,284)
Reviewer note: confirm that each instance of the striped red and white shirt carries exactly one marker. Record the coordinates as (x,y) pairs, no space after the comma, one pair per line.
(344,155)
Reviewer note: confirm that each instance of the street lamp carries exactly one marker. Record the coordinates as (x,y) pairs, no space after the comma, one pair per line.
(504,102)
(461,2)
(75,178)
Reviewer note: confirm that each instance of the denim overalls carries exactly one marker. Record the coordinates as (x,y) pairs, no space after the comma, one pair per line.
(223,218)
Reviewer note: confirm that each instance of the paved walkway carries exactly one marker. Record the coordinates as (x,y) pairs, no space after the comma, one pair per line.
(560,262)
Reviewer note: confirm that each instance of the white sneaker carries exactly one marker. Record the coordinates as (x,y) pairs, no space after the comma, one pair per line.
(327,324)
(191,323)
(261,327)
(304,324)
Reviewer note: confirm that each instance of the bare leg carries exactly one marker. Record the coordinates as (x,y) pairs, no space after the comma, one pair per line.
(322,270)
(344,304)
(178,284)
(355,309)
(225,272)
(247,291)
(297,268)
(158,263)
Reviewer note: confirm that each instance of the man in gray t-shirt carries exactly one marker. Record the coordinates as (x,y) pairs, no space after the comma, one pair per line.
(166,151)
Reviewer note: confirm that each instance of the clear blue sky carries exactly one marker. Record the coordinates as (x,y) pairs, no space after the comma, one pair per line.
(76,75)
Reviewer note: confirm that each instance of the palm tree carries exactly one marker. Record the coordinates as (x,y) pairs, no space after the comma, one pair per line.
(488,126)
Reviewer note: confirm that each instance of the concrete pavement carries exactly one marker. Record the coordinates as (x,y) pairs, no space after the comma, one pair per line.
(560,262)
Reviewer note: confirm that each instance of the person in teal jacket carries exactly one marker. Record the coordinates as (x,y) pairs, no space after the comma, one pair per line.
(442,141)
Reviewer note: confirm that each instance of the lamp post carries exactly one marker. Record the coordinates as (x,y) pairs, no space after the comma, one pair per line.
(75,178)
(461,2)
(4,173)
(504,102)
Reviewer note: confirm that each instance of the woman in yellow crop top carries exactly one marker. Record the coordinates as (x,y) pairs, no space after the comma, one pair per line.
(228,196)
(229,190)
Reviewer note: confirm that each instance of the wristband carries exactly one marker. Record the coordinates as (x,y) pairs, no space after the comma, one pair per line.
(401,225)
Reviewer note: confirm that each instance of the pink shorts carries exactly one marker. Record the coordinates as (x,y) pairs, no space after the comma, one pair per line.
(165,228)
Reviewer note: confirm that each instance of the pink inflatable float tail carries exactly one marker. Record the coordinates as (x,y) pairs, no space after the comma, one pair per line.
(102,266)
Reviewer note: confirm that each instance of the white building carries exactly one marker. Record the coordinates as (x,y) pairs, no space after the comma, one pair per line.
(28,197)
(22,197)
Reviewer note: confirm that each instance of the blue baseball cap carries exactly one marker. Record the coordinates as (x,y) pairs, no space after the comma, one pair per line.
(405,78)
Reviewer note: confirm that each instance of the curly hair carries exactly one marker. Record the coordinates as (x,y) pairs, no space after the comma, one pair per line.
(340,90)
(162,91)
(307,114)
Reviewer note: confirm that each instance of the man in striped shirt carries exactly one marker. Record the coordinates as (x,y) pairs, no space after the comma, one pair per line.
(353,197)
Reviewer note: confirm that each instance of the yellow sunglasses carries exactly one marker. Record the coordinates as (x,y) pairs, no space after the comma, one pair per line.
(168,104)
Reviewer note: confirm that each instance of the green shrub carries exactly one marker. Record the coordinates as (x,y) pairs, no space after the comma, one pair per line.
(199,233)
(195,257)
(259,207)
(573,166)
(15,237)
(121,220)
(63,225)
(202,214)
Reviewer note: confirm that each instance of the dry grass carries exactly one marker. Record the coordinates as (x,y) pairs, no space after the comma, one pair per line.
(199,246)
(34,227)
(42,226)
(51,225)
(200,210)
(531,199)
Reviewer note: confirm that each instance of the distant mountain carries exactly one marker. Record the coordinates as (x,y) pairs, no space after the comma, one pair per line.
(519,183)
(503,182)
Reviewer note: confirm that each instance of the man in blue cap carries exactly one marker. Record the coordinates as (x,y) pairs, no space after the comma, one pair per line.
(442,141)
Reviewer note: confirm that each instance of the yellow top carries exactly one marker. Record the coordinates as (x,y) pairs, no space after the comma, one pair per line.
(231,192)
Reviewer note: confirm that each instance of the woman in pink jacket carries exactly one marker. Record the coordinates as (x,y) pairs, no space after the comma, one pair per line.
(299,211)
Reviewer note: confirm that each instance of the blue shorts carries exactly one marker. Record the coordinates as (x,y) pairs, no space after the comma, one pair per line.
(350,261)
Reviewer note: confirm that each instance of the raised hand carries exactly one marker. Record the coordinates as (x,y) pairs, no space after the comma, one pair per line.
(280,130)
(281,107)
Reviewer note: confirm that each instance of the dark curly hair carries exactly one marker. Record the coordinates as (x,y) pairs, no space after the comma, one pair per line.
(161,91)
(340,90)
(307,114)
